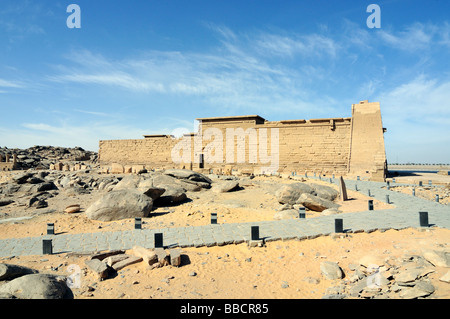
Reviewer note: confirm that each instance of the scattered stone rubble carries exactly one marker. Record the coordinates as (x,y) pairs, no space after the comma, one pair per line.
(19,282)
(406,277)
(42,157)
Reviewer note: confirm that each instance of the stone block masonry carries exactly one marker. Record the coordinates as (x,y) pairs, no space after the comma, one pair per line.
(7,165)
(250,144)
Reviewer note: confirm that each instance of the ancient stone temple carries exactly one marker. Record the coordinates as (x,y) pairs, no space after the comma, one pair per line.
(253,145)
(6,164)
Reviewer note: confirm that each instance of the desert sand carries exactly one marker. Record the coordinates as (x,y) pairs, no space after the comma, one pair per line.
(280,269)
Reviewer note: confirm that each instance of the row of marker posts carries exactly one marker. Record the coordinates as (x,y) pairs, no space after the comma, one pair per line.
(158,237)
(338,222)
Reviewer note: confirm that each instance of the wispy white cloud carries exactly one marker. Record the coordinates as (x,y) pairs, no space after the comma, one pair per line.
(417,117)
(416,37)
(69,135)
(10,84)
(423,98)
(237,74)
(315,45)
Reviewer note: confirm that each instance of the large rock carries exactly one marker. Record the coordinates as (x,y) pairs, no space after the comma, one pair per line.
(315,203)
(290,193)
(99,267)
(173,194)
(148,255)
(37,286)
(331,270)
(5,202)
(437,258)
(141,184)
(189,176)
(324,192)
(120,204)
(410,275)
(8,272)
(227,186)
(163,189)
(128,182)
(420,289)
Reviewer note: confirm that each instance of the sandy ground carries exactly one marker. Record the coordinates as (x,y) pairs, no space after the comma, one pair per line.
(407,177)
(255,202)
(282,269)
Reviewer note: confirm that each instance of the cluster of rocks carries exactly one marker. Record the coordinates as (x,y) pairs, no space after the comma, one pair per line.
(106,264)
(41,157)
(315,197)
(19,282)
(121,196)
(32,188)
(135,195)
(392,278)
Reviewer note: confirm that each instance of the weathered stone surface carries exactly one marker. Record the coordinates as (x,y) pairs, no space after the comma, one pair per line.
(421,289)
(324,192)
(22,178)
(103,255)
(437,258)
(410,275)
(128,182)
(72,209)
(5,202)
(175,257)
(331,270)
(152,192)
(163,257)
(286,214)
(369,260)
(342,190)
(8,272)
(227,186)
(142,184)
(99,267)
(46,187)
(173,194)
(112,260)
(188,175)
(37,203)
(37,286)
(148,255)
(446,277)
(120,204)
(315,203)
(126,262)
(289,194)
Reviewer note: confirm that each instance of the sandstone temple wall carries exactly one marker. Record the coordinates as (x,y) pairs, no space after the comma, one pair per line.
(6,164)
(251,144)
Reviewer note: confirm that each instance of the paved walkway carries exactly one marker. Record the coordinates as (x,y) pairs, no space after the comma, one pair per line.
(406,214)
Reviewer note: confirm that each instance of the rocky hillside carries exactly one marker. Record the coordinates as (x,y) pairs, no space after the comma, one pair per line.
(43,156)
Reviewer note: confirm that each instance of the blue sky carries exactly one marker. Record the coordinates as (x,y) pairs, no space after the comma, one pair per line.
(152,67)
